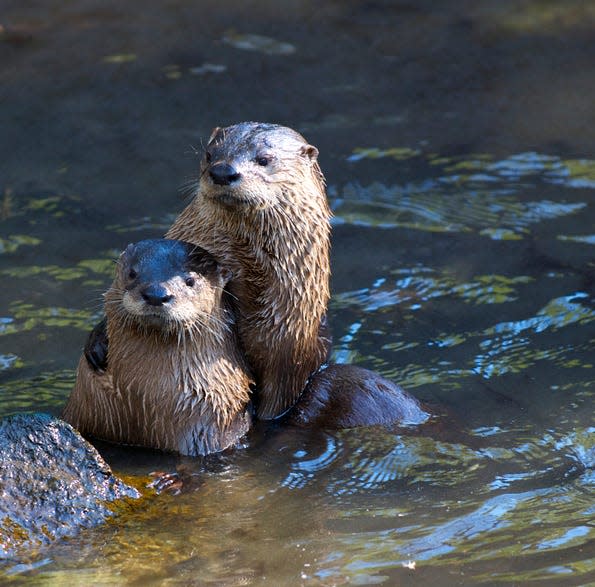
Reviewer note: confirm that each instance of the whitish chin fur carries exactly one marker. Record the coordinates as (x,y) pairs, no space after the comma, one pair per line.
(229,199)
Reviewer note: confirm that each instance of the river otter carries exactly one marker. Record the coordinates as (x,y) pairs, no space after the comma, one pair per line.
(261,210)
(174,379)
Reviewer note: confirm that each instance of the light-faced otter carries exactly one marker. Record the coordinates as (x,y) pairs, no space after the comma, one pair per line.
(175,379)
(261,211)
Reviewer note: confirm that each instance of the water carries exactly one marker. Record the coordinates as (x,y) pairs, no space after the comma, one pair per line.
(463,267)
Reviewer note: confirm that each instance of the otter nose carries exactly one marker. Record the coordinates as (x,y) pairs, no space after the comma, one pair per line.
(223,174)
(156,295)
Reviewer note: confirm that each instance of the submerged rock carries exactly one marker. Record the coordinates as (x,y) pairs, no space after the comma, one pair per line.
(52,483)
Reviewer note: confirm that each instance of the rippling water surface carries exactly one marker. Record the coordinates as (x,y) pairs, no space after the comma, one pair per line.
(471,283)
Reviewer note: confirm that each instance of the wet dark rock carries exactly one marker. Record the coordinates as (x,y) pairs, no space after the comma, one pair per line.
(52,483)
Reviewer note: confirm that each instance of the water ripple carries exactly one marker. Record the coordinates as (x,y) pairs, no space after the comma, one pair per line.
(479,194)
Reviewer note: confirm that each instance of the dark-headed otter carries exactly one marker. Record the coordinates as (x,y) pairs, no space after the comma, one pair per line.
(261,211)
(175,379)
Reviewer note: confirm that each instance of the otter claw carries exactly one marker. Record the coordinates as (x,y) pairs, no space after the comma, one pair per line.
(166,482)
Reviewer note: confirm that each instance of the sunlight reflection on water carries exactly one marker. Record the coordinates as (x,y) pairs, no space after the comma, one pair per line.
(501,341)
(487,202)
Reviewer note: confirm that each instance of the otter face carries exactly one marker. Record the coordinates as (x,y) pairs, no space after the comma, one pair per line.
(253,164)
(168,284)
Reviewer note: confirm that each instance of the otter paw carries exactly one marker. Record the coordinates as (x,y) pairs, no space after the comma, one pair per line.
(166,482)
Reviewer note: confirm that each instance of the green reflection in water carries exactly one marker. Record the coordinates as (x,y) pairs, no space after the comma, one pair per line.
(377,458)
(455,527)
(26,317)
(39,206)
(411,375)
(498,349)
(502,356)
(453,502)
(546,18)
(448,375)
(83,269)
(13,242)
(6,325)
(49,205)
(397,153)
(44,392)
(556,314)
(161,224)
(576,173)
(500,234)
(100,266)
(491,214)
(496,357)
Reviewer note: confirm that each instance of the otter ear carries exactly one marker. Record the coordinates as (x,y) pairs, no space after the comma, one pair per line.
(309,151)
(214,133)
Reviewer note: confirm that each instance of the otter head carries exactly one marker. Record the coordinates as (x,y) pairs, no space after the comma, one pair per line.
(254,165)
(166,285)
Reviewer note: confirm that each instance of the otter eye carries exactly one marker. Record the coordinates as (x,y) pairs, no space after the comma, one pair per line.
(190,281)
(263,161)
(132,274)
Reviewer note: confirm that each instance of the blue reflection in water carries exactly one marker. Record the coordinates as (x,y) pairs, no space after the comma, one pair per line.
(453,497)
(491,516)
(567,537)
(304,470)
(4,322)
(412,206)
(368,459)
(581,444)
(446,538)
(508,350)
(558,313)
(7,361)
(344,354)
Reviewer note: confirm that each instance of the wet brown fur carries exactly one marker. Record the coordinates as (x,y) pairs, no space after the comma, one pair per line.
(272,229)
(347,396)
(177,385)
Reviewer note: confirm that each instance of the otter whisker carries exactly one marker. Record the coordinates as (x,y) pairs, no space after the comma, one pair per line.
(191,181)
(194,150)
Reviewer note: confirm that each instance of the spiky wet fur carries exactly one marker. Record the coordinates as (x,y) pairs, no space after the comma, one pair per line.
(179,384)
(272,229)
